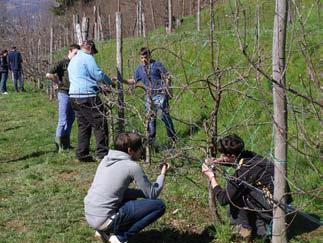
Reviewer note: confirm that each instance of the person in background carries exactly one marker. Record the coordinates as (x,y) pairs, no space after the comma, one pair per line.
(85,75)
(59,76)
(3,71)
(15,66)
(249,191)
(111,207)
(156,81)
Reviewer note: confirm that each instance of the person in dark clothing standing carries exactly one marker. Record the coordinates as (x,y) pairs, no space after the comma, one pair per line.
(249,190)
(58,74)
(15,66)
(156,80)
(3,71)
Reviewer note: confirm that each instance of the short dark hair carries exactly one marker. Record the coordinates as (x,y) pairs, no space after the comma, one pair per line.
(13,48)
(144,51)
(230,145)
(3,52)
(128,140)
(74,46)
(89,45)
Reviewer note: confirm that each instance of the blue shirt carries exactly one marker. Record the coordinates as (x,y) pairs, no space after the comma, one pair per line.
(156,71)
(84,75)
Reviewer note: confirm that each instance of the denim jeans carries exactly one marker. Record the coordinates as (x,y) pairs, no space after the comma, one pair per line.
(3,79)
(135,215)
(66,115)
(160,102)
(17,75)
(90,114)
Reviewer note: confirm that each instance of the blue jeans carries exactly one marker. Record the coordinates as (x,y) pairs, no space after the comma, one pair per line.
(17,75)
(3,79)
(135,215)
(160,102)
(66,115)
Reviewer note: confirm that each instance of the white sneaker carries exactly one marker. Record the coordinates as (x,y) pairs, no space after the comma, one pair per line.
(5,92)
(114,239)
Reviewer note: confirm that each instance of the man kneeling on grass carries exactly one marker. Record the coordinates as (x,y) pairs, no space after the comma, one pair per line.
(111,207)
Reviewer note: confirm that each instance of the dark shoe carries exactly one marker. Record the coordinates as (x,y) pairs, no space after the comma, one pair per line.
(86,159)
(58,144)
(62,144)
(65,140)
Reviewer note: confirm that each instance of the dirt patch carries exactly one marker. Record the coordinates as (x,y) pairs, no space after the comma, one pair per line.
(17,225)
(68,175)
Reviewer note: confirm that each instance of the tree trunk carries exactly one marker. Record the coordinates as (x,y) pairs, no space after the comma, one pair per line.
(280,120)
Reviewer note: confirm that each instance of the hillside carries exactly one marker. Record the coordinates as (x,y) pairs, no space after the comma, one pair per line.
(41,194)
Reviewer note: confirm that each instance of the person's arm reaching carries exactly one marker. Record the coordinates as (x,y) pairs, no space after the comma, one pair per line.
(150,190)
(96,73)
(224,197)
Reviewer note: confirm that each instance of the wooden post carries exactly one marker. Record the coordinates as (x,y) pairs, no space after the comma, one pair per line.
(139,18)
(77,28)
(198,15)
(85,28)
(183,8)
(121,118)
(39,55)
(152,14)
(95,24)
(100,28)
(143,25)
(170,17)
(109,27)
(280,120)
(51,44)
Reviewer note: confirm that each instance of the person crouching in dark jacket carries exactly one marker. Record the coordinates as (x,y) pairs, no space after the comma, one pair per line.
(249,191)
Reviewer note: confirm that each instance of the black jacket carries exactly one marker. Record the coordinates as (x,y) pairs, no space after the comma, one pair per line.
(60,69)
(253,181)
(3,64)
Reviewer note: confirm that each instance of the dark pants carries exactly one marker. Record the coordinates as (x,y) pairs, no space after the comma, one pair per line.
(17,75)
(90,115)
(253,212)
(135,215)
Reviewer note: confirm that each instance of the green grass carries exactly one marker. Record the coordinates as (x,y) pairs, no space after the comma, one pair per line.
(41,192)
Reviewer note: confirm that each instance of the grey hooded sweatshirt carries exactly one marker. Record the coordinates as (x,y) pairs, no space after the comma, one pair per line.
(110,187)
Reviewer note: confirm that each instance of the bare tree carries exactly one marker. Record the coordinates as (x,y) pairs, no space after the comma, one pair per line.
(280,119)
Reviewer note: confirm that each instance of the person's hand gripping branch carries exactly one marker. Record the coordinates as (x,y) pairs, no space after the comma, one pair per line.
(164,168)
(206,170)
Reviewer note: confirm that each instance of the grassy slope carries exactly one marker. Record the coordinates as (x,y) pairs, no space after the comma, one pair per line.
(41,192)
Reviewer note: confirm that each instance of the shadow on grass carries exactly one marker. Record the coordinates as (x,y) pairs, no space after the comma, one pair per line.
(11,128)
(29,156)
(169,235)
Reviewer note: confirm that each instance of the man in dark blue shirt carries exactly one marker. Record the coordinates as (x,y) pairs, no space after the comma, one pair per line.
(156,81)
(15,66)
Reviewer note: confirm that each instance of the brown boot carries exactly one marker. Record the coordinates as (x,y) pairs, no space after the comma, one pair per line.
(244,233)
